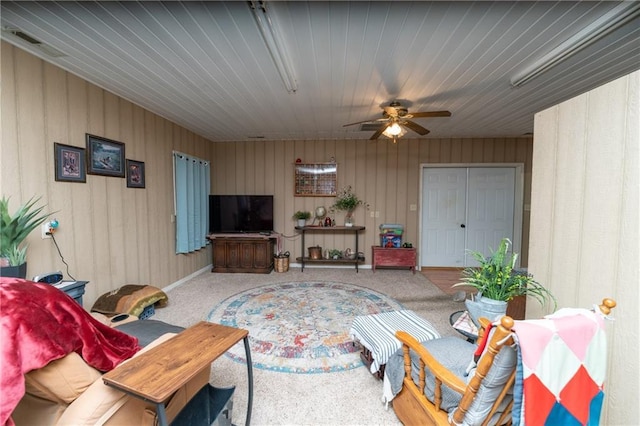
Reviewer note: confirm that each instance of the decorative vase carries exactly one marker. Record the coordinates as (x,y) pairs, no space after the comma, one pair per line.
(348,219)
(485,307)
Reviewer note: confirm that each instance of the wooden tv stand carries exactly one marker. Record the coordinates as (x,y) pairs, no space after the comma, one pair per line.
(252,253)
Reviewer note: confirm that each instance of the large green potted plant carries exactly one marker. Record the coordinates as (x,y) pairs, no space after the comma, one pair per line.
(498,281)
(347,201)
(13,231)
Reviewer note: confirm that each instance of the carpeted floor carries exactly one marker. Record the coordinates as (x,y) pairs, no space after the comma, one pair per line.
(351,397)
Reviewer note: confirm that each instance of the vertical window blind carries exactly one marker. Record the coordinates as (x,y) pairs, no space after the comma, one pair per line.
(191,198)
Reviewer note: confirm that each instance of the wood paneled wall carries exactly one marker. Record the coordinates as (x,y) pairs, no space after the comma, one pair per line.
(384,174)
(109,234)
(112,235)
(584,222)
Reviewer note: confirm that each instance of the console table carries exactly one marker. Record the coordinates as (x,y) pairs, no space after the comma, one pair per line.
(355,229)
(251,253)
(158,373)
(393,257)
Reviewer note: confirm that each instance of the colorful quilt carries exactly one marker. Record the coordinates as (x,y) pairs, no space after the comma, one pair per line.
(561,369)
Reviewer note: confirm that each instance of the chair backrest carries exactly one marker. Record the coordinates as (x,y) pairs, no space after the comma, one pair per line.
(488,390)
(487,396)
(481,397)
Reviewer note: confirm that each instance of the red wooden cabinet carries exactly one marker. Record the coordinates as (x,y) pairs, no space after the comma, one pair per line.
(393,257)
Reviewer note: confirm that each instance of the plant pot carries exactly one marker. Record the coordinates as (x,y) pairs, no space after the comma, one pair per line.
(485,307)
(302,223)
(19,271)
(348,219)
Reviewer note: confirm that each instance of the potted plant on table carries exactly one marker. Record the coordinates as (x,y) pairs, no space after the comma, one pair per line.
(302,217)
(498,281)
(347,201)
(13,231)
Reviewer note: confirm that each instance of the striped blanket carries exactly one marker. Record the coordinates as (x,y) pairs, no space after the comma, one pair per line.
(377,333)
(561,369)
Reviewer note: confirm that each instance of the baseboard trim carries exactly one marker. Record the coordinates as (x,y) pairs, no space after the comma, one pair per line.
(187,278)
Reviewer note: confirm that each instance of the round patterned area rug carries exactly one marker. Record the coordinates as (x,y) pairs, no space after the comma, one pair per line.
(300,327)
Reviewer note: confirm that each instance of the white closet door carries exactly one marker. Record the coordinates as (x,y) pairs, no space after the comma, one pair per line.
(463,209)
(490,208)
(443,215)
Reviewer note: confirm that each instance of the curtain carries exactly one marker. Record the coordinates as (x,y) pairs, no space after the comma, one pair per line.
(191,198)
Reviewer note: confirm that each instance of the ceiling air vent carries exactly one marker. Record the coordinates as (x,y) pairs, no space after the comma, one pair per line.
(25,37)
(370,127)
(45,48)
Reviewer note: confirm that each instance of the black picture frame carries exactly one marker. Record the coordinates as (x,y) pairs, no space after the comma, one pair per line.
(135,174)
(70,163)
(105,157)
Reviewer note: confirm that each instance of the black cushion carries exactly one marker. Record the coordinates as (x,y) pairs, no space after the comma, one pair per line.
(148,330)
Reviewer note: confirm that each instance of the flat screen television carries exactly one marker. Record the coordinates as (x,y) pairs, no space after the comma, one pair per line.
(240,213)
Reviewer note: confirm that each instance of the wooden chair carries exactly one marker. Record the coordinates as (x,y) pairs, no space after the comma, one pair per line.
(486,399)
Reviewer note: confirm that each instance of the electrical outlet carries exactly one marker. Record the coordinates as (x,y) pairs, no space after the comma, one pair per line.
(45,230)
(372,214)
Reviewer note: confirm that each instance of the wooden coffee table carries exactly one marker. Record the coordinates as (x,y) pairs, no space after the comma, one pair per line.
(158,373)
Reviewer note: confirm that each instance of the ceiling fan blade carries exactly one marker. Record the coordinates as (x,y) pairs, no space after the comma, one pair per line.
(358,122)
(430,114)
(378,132)
(415,127)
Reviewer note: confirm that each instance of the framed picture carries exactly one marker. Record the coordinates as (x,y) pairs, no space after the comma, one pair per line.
(135,174)
(315,179)
(105,157)
(69,163)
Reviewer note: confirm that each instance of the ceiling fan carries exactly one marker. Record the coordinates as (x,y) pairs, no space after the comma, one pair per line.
(395,117)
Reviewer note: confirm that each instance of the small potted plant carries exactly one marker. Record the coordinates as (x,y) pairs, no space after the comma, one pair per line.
(302,217)
(335,254)
(13,231)
(347,201)
(498,281)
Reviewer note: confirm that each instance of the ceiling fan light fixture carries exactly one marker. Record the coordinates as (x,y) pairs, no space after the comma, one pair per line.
(394,131)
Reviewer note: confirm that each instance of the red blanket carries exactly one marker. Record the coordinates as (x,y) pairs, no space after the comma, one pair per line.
(39,324)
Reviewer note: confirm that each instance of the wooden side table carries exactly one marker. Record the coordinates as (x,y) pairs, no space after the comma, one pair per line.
(393,257)
(158,373)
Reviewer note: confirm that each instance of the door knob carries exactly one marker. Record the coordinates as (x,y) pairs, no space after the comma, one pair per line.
(462,225)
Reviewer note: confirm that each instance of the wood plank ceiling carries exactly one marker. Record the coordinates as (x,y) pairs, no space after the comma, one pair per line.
(205,66)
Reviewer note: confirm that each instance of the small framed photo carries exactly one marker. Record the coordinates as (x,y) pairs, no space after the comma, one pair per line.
(135,174)
(105,157)
(69,163)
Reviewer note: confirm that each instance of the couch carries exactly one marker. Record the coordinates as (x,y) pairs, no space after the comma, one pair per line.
(54,354)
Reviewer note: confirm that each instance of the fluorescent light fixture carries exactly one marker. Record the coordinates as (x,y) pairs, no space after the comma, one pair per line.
(610,21)
(274,45)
